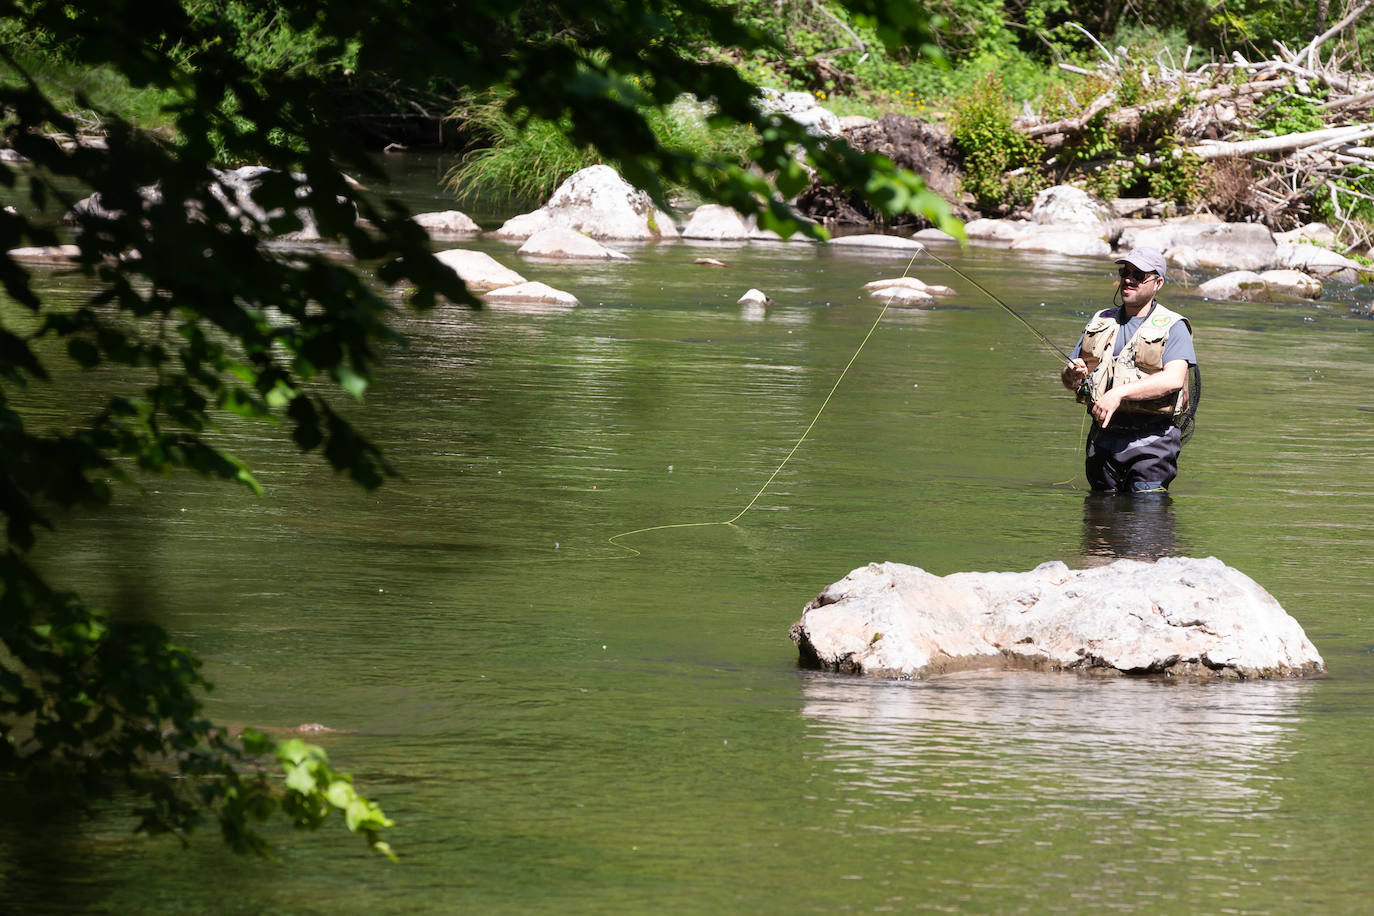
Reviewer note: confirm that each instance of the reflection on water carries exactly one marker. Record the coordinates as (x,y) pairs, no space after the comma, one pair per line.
(1124,526)
(1077,746)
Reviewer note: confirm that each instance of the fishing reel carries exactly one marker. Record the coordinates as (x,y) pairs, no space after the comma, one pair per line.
(1085,393)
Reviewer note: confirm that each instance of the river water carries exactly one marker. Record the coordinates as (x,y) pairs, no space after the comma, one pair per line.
(559,723)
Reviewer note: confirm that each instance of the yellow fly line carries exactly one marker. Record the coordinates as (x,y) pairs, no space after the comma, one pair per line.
(615,539)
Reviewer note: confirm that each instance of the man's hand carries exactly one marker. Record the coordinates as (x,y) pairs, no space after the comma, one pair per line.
(1075,371)
(1105,406)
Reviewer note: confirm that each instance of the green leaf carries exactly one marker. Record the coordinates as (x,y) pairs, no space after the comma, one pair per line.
(352,381)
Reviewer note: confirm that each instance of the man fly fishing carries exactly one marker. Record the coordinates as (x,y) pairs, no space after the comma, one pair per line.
(1136,369)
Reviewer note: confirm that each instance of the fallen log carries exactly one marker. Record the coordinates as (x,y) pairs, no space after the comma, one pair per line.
(1287,143)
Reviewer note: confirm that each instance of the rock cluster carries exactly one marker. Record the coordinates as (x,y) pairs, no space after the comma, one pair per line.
(1175,616)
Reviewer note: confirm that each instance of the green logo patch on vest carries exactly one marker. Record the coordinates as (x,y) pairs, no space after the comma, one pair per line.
(1159,321)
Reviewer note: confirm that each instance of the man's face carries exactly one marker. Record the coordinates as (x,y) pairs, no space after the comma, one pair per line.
(1137,286)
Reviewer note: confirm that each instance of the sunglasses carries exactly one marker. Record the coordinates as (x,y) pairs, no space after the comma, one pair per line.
(1136,276)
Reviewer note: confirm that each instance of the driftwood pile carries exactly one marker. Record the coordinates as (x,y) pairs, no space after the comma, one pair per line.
(1257,175)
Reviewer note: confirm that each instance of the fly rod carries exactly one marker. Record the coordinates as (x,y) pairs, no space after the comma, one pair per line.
(1014,313)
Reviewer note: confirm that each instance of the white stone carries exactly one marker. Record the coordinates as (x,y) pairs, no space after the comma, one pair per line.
(1178,615)
(531,292)
(1320,262)
(803,108)
(596,202)
(911,283)
(46,253)
(1292,283)
(1063,241)
(568,244)
(717,223)
(1065,205)
(878,241)
(479,270)
(933,235)
(754,297)
(1221,246)
(997,230)
(853,122)
(1236,286)
(906,295)
(447,224)
(1312,233)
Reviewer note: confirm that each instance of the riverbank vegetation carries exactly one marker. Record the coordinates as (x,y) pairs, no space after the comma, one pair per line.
(1124,102)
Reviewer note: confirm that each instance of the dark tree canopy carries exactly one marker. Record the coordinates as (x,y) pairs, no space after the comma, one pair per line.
(210,320)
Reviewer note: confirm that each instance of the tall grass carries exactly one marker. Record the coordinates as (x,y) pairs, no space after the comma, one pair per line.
(527,159)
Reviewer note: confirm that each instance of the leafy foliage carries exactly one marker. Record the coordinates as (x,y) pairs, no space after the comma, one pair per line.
(1001,166)
(527,158)
(201,319)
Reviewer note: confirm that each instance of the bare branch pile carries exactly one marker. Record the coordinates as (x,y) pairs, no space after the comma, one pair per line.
(1223,112)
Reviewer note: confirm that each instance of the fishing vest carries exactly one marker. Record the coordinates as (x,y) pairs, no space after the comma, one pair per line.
(1141,356)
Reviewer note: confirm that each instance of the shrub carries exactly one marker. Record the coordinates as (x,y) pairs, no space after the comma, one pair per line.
(1001,165)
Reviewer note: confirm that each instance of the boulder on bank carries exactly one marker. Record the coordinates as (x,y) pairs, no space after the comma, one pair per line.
(596,202)
(1192,244)
(803,108)
(870,240)
(478,270)
(1177,616)
(568,244)
(447,224)
(997,230)
(1312,234)
(1320,262)
(716,223)
(1072,208)
(1063,241)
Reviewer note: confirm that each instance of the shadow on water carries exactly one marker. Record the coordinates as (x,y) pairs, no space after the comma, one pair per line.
(1128,527)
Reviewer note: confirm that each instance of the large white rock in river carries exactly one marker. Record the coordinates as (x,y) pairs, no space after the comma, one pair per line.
(596,202)
(1177,615)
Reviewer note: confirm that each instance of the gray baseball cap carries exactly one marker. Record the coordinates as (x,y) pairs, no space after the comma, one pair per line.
(1146,259)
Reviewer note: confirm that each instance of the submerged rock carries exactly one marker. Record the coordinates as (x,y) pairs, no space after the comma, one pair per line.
(1176,616)
(532,293)
(568,244)
(933,289)
(906,295)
